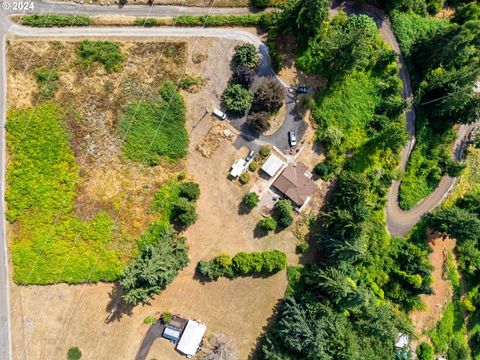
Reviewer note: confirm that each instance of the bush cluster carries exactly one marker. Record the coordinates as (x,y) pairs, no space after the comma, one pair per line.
(106,53)
(47,80)
(50,20)
(266,102)
(251,200)
(243,264)
(237,99)
(246,55)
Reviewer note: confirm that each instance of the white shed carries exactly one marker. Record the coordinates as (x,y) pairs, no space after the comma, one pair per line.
(402,341)
(238,168)
(272,165)
(191,338)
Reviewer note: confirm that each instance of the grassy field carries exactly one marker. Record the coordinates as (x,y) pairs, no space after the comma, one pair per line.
(52,244)
(155,130)
(76,205)
(470,180)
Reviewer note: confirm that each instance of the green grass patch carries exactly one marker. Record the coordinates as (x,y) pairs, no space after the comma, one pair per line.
(47,80)
(424,168)
(155,130)
(50,20)
(470,178)
(450,273)
(107,53)
(410,28)
(165,198)
(343,110)
(450,330)
(51,243)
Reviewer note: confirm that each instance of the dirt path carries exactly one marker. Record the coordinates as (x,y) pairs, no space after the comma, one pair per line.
(442,290)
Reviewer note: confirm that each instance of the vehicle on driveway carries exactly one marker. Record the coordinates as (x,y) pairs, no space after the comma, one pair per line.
(302,90)
(292,138)
(220,114)
(250,155)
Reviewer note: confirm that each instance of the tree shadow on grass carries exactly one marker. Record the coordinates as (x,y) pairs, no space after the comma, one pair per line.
(117,307)
(243,209)
(259,232)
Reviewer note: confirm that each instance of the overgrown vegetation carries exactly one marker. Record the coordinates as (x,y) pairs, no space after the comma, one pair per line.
(351,304)
(47,80)
(155,130)
(162,255)
(442,61)
(107,53)
(243,264)
(52,20)
(52,244)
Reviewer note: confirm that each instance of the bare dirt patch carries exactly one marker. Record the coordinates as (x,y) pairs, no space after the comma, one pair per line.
(48,320)
(442,290)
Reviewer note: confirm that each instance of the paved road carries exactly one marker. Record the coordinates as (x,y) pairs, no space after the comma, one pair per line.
(42,7)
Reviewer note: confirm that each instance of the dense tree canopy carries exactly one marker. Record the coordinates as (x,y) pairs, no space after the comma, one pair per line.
(158,264)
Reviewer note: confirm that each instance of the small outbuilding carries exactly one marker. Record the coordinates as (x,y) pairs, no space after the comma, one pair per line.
(272,165)
(238,168)
(171,333)
(191,338)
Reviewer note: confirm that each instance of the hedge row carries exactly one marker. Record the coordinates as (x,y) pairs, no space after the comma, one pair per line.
(224,265)
(48,20)
(263,20)
(268,3)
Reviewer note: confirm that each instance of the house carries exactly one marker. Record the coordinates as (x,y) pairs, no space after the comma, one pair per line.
(295,183)
(272,165)
(191,338)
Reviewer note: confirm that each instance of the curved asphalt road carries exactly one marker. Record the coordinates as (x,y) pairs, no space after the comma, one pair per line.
(399,222)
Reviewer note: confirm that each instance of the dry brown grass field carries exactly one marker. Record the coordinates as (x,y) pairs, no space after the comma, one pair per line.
(48,320)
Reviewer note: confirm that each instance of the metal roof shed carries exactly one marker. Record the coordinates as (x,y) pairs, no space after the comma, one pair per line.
(191,338)
(272,165)
(171,333)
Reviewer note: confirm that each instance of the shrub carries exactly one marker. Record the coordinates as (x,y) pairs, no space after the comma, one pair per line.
(153,131)
(50,20)
(264,151)
(47,80)
(244,76)
(166,317)
(303,247)
(269,224)
(237,98)
(242,263)
(283,212)
(321,169)
(253,166)
(244,178)
(425,352)
(184,212)
(246,55)
(149,22)
(191,83)
(74,353)
(190,191)
(150,320)
(259,121)
(251,200)
(457,350)
(106,53)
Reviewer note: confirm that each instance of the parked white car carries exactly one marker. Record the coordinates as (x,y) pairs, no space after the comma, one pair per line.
(220,114)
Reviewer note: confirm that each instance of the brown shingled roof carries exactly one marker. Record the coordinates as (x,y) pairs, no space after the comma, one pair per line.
(294,184)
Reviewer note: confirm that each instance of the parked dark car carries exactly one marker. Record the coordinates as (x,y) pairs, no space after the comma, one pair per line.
(302,90)
(292,138)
